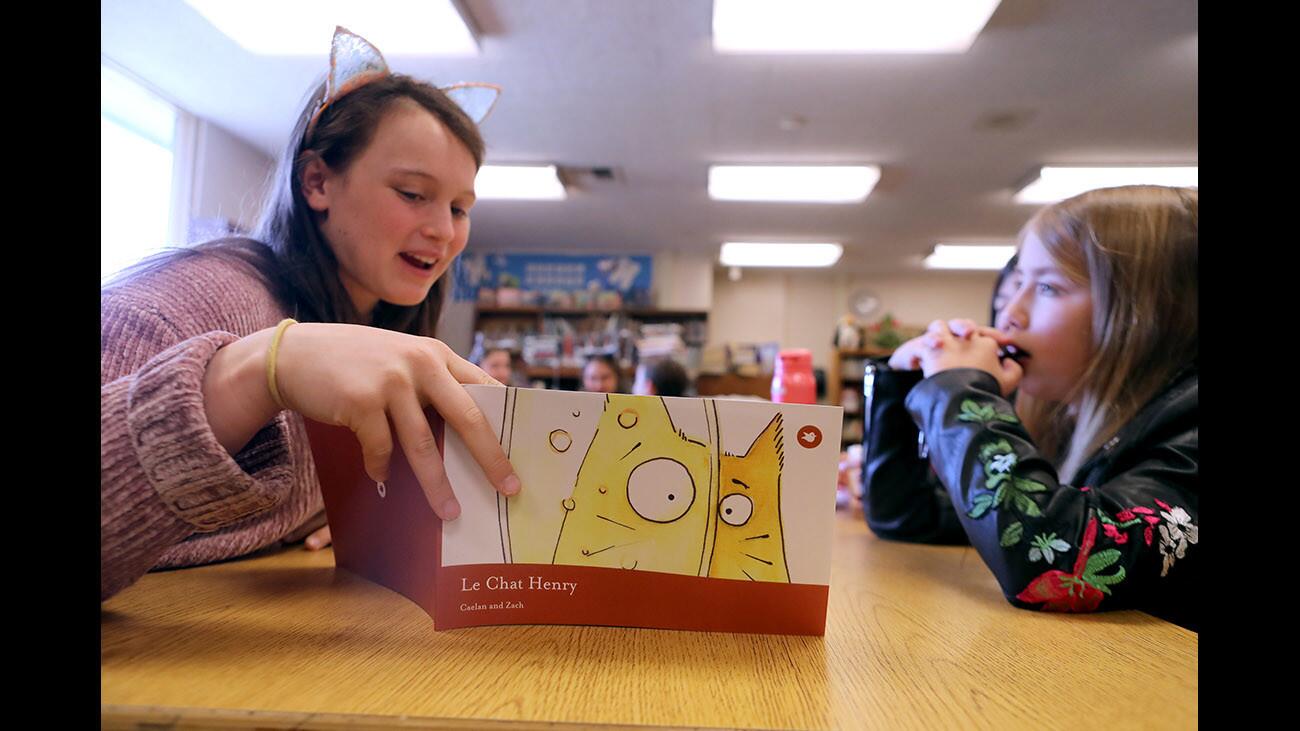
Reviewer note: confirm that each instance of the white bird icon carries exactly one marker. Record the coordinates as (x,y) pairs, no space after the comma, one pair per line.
(808,436)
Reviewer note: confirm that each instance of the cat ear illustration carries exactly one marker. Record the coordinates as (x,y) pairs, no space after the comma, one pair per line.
(476,98)
(749,544)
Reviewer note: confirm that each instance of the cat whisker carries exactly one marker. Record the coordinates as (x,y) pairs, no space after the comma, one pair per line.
(765,535)
(585,552)
(761,560)
(615,522)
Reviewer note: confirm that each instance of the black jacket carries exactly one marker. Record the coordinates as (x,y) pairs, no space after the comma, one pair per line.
(903,498)
(1122,535)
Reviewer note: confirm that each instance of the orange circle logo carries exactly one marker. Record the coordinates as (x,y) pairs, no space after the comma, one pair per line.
(809,436)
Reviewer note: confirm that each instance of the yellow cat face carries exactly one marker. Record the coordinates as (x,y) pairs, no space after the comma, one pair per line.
(748,544)
(644,496)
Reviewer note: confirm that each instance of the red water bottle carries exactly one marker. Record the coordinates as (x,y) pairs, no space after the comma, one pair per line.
(793,382)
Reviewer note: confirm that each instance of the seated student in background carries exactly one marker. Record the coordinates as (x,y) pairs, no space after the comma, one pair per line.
(669,378)
(500,364)
(903,498)
(1085,495)
(663,377)
(1003,289)
(601,375)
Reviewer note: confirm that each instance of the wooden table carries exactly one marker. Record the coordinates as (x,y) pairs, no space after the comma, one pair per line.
(917,637)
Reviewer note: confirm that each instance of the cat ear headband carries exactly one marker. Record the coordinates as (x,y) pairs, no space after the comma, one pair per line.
(355,62)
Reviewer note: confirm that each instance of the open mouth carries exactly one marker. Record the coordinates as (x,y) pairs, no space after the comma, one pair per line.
(419,262)
(1014,353)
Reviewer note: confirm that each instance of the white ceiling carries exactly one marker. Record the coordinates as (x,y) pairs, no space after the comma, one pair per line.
(635,85)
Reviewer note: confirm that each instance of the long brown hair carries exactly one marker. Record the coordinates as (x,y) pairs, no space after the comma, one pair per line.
(1136,248)
(287,248)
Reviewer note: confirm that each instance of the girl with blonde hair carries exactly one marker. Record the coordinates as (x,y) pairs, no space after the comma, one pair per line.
(1100,342)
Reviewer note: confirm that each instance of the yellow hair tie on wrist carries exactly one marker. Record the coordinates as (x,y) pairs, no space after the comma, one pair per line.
(270,360)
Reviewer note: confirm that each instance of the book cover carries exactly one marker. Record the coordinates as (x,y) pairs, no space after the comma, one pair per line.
(638,511)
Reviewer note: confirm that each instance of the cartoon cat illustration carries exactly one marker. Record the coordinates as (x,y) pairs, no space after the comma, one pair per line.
(543,434)
(748,543)
(646,493)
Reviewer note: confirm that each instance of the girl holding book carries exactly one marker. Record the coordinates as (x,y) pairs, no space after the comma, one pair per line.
(211,357)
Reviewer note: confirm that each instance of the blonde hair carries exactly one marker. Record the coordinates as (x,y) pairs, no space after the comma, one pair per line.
(1136,249)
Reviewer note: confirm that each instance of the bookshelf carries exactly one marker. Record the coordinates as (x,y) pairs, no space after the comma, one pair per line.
(608,330)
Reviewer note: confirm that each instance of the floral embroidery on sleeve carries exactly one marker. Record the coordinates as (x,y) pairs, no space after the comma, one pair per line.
(1083,589)
(1046,546)
(1125,519)
(983,414)
(1009,493)
(1175,534)
(1095,570)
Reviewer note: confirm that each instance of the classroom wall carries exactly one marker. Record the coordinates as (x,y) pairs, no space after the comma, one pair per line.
(680,281)
(799,309)
(230,179)
(683,281)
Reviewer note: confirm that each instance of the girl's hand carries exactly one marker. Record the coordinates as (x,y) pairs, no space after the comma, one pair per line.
(320,538)
(976,349)
(367,379)
(907,357)
(963,328)
(374,381)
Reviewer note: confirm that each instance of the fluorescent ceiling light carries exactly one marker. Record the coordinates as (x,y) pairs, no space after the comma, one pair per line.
(304,27)
(848,26)
(744,254)
(1055,183)
(526,182)
(793,183)
(969,256)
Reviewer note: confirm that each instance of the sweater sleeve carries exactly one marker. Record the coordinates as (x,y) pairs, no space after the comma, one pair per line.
(903,498)
(1054,546)
(163,474)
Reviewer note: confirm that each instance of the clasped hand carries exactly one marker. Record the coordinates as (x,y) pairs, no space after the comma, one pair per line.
(959,343)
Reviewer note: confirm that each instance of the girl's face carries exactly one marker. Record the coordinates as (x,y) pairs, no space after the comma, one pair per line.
(598,377)
(1049,319)
(497,365)
(399,215)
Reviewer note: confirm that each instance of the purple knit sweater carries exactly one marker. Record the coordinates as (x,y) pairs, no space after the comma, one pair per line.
(170,494)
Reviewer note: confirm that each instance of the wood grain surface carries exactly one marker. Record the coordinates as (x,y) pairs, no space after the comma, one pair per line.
(917,637)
